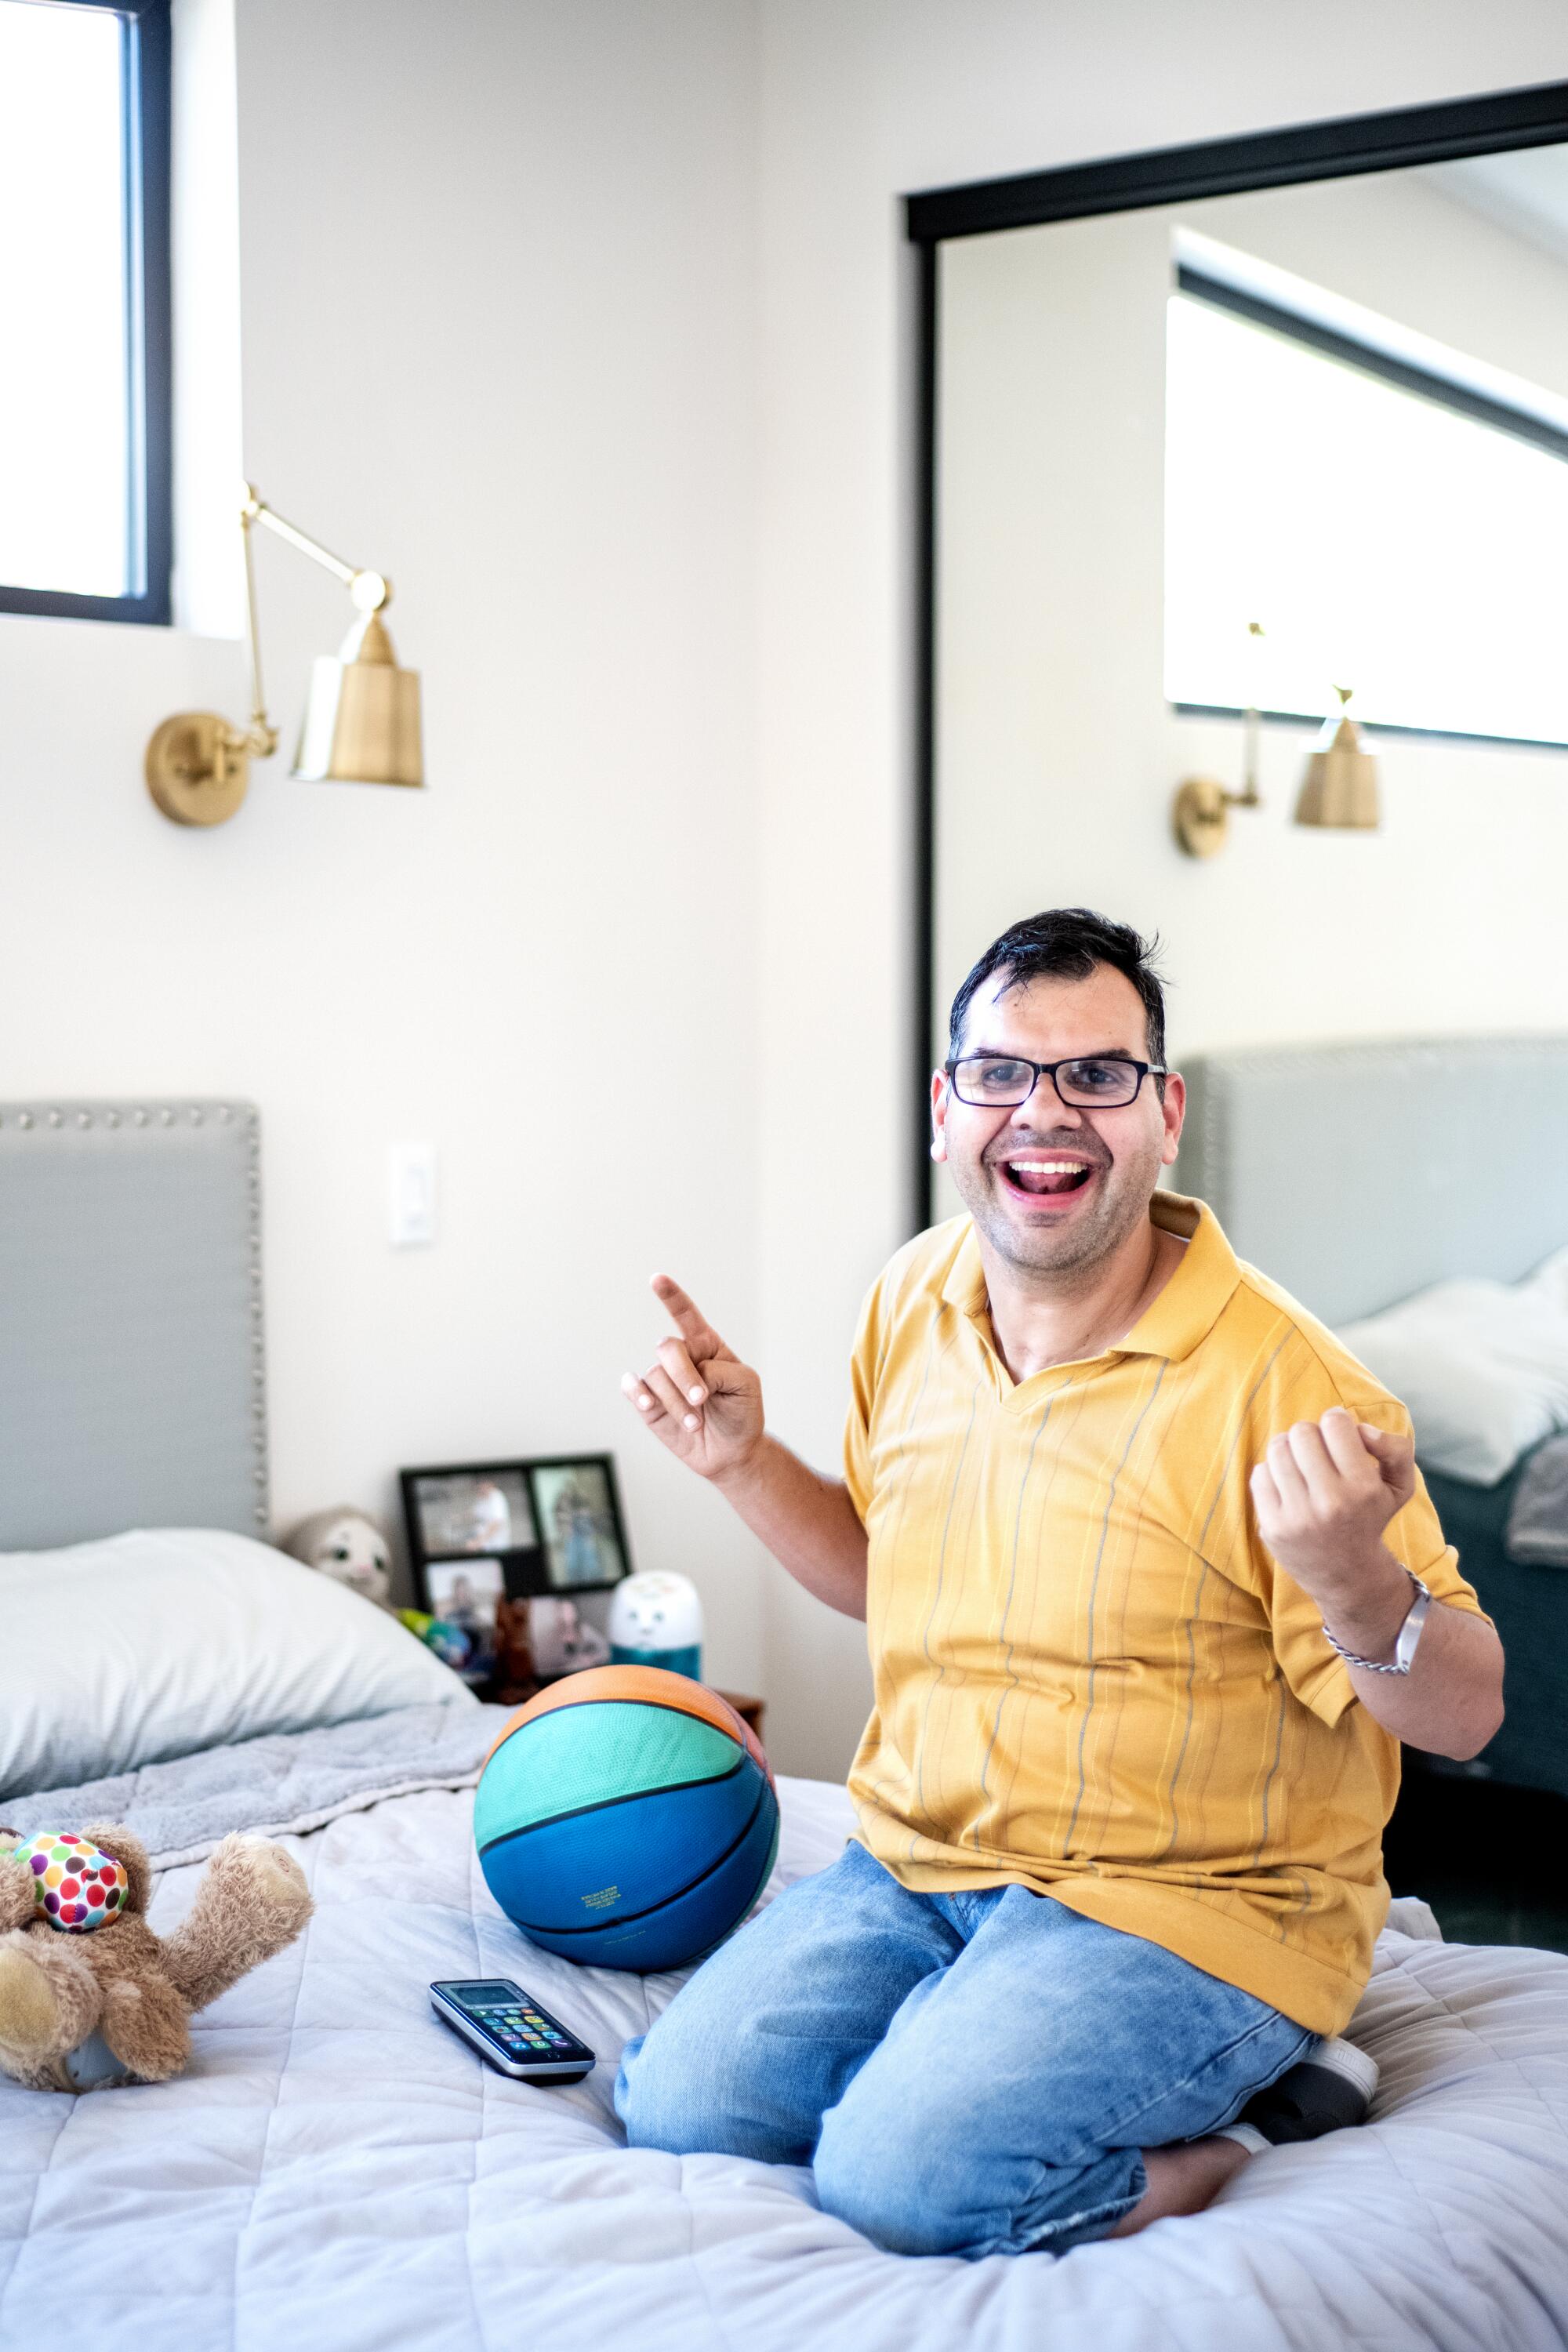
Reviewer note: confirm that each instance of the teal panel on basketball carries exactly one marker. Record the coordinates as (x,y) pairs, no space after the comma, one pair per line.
(631,1823)
(594,1754)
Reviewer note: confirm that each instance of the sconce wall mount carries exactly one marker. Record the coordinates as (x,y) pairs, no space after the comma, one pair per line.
(1200,812)
(362,717)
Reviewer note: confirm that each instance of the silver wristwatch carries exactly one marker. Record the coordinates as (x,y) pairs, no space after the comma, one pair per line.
(1404,1648)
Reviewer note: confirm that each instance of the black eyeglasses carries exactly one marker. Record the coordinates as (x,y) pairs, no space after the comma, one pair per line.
(1003,1081)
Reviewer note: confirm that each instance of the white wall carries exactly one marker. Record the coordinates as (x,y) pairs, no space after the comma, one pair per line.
(499,339)
(586,320)
(863,100)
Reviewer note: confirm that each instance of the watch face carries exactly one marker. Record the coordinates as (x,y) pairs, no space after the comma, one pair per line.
(1410,1632)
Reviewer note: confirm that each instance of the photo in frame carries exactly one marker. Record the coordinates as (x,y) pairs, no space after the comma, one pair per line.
(466,1594)
(579,1519)
(565,1635)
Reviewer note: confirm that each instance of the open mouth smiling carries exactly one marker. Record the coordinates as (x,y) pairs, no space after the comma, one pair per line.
(1048,1179)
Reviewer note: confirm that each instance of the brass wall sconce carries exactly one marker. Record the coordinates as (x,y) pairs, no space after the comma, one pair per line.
(1200,812)
(1339,787)
(361,716)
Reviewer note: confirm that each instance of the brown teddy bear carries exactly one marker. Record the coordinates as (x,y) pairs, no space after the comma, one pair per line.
(77,2009)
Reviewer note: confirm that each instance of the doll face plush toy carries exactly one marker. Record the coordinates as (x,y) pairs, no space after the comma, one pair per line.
(347,1544)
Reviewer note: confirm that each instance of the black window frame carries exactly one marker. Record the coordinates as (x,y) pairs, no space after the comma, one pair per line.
(1424,383)
(146,54)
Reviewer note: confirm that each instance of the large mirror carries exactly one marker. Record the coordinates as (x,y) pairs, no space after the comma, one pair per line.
(1204,457)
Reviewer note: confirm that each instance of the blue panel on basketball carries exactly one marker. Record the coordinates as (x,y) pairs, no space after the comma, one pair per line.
(545,1877)
(692,1922)
(628,1821)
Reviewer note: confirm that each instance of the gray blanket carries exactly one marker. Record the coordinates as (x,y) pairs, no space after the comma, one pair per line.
(287,1783)
(1538,1521)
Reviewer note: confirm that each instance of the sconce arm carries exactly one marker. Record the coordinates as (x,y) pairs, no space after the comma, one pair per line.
(369,590)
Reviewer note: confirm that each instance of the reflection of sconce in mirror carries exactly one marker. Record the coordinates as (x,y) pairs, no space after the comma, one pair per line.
(1200,813)
(1339,787)
(361,718)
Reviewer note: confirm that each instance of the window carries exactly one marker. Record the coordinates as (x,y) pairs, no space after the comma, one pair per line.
(84,296)
(1393,529)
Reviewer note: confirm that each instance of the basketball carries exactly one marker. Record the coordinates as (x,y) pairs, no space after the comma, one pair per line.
(626,1818)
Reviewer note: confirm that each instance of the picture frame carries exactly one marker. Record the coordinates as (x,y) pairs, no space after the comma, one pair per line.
(546,1527)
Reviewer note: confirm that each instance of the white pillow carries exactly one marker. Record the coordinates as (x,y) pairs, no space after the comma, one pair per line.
(152,1644)
(1481,1368)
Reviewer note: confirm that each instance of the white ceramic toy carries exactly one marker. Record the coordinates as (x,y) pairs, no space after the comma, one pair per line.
(656,1619)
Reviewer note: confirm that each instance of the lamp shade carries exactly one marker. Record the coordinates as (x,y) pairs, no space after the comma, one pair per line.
(362,717)
(1339,786)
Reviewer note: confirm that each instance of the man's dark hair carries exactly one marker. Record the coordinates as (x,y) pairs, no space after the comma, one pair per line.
(1066,943)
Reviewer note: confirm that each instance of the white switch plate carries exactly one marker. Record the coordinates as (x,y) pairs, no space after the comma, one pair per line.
(411,1195)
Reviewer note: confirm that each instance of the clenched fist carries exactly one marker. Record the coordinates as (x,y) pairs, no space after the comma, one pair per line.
(1323,1493)
(699,1399)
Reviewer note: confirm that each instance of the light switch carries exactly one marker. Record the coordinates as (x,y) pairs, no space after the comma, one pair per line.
(411,1195)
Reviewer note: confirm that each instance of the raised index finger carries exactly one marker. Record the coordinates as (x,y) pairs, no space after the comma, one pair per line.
(687,1318)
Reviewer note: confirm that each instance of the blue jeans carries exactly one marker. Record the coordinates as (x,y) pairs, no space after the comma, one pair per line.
(969,2074)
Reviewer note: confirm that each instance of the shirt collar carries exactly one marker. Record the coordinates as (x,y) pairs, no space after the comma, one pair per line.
(1197,1293)
(1185,1311)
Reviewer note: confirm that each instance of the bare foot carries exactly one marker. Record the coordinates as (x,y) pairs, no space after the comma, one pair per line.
(1182,2179)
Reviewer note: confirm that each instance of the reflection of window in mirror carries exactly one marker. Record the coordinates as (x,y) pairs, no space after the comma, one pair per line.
(1395,510)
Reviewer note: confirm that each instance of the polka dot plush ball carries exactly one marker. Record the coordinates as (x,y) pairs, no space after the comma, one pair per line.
(74,1886)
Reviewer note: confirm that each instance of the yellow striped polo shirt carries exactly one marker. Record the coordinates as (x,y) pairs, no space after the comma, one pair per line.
(1090,1679)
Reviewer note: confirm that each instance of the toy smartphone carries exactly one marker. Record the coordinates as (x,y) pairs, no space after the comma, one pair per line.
(508,2028)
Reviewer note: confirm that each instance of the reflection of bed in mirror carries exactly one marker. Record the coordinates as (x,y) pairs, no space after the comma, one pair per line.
(1361,1174)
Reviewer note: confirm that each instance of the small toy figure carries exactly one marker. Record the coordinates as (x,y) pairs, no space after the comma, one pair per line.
(515,1668)
(349,1544)
(106,1999)
(448,1641)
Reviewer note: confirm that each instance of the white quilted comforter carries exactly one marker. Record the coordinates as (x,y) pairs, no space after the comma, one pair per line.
(337,2172)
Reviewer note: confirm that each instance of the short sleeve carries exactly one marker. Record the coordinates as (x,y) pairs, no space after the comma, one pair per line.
(863,1363)
(1312,1667)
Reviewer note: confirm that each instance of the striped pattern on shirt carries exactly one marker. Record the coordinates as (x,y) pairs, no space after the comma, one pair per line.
(1090,1677)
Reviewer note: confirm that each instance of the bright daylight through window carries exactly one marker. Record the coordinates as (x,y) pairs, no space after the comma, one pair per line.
(72,516)
(1384,541)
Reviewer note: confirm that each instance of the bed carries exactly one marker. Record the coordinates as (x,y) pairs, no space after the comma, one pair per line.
(334,2171)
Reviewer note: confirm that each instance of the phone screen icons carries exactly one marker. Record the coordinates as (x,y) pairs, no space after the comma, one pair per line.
(523,2031)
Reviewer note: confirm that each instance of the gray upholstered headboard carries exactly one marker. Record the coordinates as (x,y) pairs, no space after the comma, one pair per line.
(131,1372)
(1356,1173)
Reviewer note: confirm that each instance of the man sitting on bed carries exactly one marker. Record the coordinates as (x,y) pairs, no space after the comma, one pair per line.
(1144,1560)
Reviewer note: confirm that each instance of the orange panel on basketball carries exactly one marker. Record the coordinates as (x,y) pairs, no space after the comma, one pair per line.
(651,1684)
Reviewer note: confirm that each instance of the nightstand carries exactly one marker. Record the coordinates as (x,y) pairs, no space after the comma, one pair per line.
(749,1710)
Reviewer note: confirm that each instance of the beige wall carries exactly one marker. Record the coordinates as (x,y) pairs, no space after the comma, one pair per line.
(589,323)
